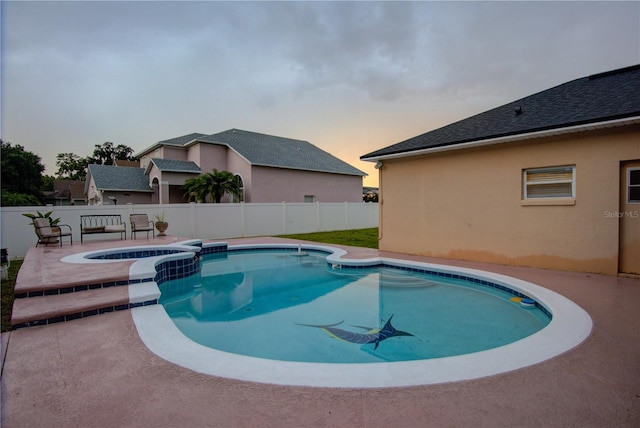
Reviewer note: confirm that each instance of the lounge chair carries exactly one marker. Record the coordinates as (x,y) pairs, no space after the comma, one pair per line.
(51,235)
(5,263)
(141,223)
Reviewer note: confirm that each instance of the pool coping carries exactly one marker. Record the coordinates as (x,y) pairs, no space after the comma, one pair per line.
(569,327)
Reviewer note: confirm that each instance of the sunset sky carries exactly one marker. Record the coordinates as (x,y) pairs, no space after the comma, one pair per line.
(349,77)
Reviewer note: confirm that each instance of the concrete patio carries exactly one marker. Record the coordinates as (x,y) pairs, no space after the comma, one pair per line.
(96,372)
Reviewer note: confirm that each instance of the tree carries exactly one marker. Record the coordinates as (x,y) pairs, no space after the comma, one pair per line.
(195,189)
(47,182)
(214,184)
(21,175)
(107,154)
(71,166)
(9,199)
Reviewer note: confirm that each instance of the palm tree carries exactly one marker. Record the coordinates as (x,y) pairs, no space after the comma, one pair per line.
(221,182)
(214,184)
(195,189)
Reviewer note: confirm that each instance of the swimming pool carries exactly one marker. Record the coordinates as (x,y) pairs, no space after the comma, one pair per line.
(569,326)
(290,305)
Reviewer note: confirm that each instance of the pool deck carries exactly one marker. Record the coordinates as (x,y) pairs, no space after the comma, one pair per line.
(96,372)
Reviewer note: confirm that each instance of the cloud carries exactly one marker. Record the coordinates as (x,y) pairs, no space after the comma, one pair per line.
(357,75)
(365,46)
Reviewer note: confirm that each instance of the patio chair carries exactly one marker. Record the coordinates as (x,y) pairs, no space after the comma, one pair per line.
(48,234)
(141,223)
(4,263)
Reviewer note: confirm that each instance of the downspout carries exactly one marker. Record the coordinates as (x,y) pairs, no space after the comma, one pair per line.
(378,166)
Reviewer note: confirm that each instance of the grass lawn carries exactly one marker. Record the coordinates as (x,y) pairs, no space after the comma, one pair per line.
(367,238)
(7,294)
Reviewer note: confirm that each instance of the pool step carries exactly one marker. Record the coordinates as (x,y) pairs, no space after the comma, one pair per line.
(51,309)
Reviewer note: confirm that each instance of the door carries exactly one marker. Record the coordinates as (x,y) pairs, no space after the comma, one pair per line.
(629,215)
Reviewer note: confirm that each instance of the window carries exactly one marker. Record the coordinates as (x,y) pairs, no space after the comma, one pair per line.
(633,188)
(309,198)
(556,182)
(235,199)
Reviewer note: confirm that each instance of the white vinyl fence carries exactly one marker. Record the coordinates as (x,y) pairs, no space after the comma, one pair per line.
(203,221)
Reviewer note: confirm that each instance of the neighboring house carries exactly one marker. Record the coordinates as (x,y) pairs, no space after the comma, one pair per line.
(370,194)
(109,184)
(66,192)
(130,163)
(167,177)
(551,180)
(271,169)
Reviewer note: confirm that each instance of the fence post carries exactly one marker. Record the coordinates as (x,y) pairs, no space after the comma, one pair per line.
(242,219)
(346,216)
(192,219)
(284,218)
(317,216)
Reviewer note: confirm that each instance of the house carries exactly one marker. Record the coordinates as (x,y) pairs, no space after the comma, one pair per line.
(370,194)
(111,184)
(65,192)
(271,169)
(551,180)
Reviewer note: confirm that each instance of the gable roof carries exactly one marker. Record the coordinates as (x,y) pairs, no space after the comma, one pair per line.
(68,189)
(268,150)
(118,178)
(170,165)
(605,97)
(176,141)
(181,141)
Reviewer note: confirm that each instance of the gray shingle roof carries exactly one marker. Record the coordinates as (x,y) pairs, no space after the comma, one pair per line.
(280,152)
(108,177)
(597,98)
(170,165)
(177,141)
(181,141)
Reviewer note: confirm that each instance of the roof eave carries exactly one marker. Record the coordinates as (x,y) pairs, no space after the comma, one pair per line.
(158,145)
(147,150)
(126,190)
(510,138)
(361,174)
(198,140)
(180,171)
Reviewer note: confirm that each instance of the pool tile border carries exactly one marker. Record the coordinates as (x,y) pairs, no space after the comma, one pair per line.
(448,275)
(569,326)
(166,270)
(377,263)
(175,269)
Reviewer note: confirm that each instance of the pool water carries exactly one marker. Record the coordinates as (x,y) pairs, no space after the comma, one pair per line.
(280,305)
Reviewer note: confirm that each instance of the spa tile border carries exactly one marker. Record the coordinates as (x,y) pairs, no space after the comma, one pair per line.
(82,314)
(77,288)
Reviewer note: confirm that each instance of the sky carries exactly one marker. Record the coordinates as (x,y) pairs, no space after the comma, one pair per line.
(349,77)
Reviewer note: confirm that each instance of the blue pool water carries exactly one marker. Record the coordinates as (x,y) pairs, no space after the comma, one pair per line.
(278,305)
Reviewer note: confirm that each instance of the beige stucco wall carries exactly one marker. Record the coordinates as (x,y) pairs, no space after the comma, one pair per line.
(208,156)
(286,185)
(239,166)
(220,157)
(165,152)
(467,204)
